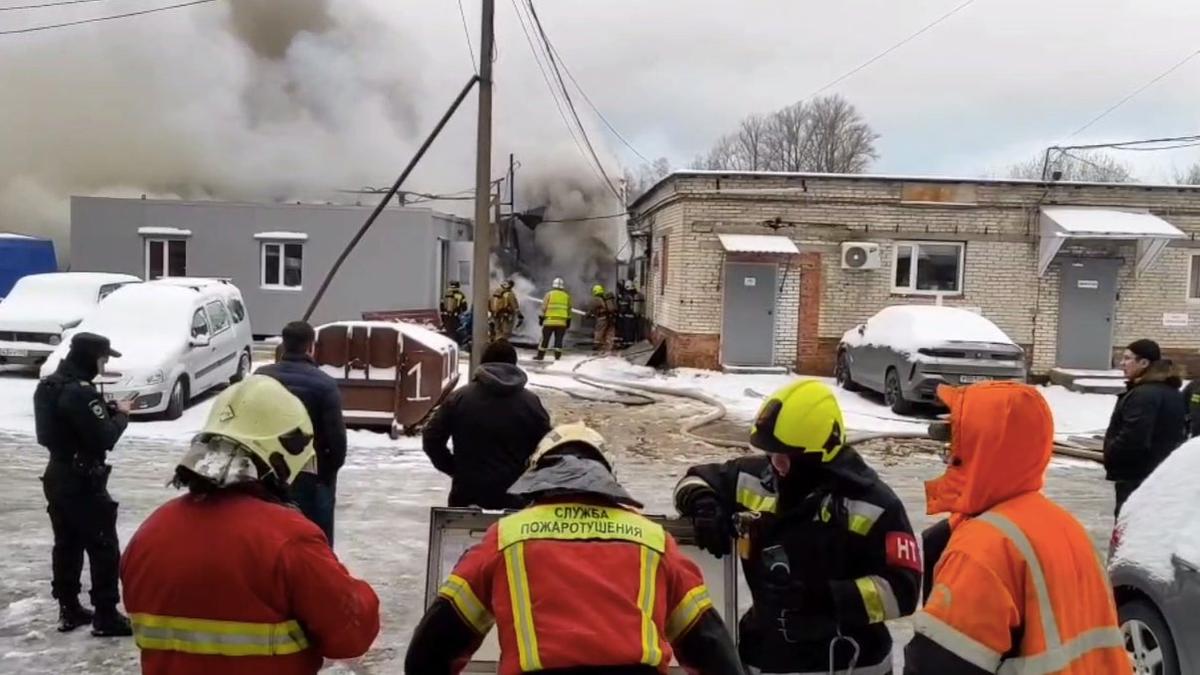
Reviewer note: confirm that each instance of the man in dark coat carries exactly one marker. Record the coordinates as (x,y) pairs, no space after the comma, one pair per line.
(315,494)
(495,424)
(79,429)
(1191,400)
(1148,422)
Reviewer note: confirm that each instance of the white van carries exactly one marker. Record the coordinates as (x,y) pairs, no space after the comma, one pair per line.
(178,338)
(40,307)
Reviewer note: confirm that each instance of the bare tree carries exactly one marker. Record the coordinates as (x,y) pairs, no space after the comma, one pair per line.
(637,181)
(1189,176)
(828,134)
(1090,166)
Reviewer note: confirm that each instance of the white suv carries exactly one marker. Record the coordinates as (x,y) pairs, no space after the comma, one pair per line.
(178,338)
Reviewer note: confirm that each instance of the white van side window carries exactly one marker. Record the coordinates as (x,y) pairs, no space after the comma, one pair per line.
(218,316)
(238,310)
(199,323)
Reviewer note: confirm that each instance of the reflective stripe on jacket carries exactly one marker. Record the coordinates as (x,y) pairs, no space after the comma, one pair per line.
(576,585)
(556,307)
(225,584)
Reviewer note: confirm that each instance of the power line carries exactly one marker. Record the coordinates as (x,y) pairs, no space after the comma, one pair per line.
(570,104)
(1133,95)
(34,29)
(580,220)
(929,26)
(467,32)
(60,3)
(537,57)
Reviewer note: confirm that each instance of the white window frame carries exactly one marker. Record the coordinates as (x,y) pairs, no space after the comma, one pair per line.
(165,242)
(1192,299)
(262,265)
(911,289)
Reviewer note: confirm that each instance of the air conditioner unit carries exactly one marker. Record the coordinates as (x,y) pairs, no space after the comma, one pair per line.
(860,255)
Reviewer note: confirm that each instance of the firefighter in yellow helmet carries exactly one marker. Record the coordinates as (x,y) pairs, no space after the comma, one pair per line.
(825,545)
(452,308)
(604,311)
(505,311)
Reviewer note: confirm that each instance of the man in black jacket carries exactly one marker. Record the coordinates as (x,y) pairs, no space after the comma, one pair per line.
(79,428)
(1148,421)
(1191,401)
(495,423)
(315,494)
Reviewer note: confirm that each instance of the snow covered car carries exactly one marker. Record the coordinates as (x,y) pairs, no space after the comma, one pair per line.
(1155,567)
(904,352)
(178,338)
(41,307)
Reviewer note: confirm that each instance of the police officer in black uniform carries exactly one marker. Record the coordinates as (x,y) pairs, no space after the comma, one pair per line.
(79,428)
(826,546)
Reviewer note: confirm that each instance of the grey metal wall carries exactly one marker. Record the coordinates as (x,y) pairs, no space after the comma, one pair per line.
(395,266)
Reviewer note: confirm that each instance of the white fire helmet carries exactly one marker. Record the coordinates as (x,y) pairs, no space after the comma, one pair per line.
(574,432)
(558,283)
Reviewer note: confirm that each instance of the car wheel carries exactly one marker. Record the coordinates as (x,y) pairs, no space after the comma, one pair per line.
(1148,641)
(893,394)
(843,373)
(243,368)
(178,401)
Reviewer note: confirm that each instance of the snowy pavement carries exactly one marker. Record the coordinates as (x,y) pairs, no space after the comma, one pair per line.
(387,487)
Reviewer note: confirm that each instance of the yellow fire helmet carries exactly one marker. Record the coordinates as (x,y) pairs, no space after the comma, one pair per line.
(802,418)
(597,290)
(575,432)
(261,417)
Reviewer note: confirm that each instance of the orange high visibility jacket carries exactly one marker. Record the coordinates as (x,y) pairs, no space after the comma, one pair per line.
(574,585)
(1020,587)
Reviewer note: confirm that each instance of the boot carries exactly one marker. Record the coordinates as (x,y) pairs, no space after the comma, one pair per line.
(72,615)
(541,356)
(108,622)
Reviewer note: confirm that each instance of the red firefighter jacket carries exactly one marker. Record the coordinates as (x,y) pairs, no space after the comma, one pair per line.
(230,583)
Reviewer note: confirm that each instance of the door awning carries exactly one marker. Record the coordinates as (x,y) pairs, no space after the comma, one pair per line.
(1060,223)
(757,243)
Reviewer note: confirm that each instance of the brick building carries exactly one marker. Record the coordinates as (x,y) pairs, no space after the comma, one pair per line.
(1070,271)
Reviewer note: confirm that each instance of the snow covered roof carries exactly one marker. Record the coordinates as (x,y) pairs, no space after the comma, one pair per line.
(163,232)
(282,236)
(907,328)
(1059,223)
(757,243)
(1162,517)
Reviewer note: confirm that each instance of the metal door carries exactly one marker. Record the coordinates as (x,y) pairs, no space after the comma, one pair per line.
(748,331)
(1086,305)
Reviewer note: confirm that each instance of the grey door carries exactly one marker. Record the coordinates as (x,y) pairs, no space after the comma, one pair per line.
(748,330)
(1086,305)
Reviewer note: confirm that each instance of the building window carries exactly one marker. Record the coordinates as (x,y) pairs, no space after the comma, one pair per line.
(1194,277)
(927,268)
(662,266)
(282,265)
(166,258)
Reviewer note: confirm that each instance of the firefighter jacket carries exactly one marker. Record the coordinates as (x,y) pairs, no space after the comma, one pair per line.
(604,307)
(847,538)
(1019,587)
(234,584)
(454,302)
(556,308)
(574,585)
(502,302)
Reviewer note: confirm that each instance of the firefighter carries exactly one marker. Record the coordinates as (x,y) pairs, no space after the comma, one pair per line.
(825,544)
(577,582)
(555,319)
(231,579)
(79,429)
(604,311)
(505,310)
(454,305)
(1019,587)
(624,314)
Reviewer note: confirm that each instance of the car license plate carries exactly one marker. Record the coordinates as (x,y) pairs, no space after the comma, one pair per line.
(969,379)
(13,352)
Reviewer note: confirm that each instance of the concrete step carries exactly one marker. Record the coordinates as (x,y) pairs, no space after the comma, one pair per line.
(1089,381)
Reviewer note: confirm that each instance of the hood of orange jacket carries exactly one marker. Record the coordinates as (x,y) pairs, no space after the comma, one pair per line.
(1001,440)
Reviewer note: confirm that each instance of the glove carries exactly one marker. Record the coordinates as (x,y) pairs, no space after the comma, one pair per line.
(714,532)
(541,319)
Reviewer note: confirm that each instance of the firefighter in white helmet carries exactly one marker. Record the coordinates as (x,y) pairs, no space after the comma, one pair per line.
(578,581)
(228,576)
(555,319)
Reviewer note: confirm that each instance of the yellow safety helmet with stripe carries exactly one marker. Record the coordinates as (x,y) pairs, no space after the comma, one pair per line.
(261,417)
(575,432)
(802,418)
(597,290)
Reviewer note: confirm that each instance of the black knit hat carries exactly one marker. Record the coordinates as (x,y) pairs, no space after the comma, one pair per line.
(1145,349)
(500,351)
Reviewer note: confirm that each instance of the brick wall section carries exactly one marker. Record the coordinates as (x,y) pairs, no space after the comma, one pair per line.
(1000,230)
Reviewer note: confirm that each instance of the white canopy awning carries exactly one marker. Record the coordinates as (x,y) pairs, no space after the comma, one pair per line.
(757,243)
(1060,223)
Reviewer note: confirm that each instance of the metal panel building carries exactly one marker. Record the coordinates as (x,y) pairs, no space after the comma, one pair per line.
(277,254)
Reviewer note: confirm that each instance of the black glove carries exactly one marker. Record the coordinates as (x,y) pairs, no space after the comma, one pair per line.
(541,319)
(714,531)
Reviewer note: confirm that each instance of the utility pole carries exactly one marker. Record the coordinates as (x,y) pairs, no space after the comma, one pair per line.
(480,274)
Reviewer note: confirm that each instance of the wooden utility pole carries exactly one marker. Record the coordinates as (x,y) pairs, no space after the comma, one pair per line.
(480,273)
